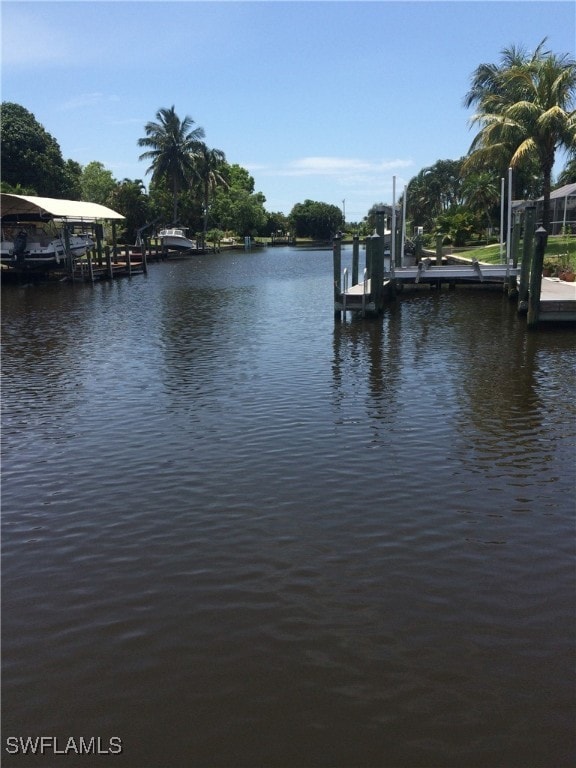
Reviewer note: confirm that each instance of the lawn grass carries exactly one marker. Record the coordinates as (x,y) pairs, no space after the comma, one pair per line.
(561,248)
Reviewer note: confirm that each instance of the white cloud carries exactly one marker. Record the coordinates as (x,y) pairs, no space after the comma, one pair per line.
(348,170)
(350,167)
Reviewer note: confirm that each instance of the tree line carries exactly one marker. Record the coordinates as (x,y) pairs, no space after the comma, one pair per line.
(524,114)
(192,185)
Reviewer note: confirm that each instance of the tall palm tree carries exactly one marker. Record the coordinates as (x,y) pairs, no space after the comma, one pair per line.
(173,146)
(210,165)
(525,109)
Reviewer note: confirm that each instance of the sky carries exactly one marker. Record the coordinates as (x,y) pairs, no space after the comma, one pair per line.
(338,101)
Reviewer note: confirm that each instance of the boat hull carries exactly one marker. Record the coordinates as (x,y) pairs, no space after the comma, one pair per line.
(35,254)
(176,240)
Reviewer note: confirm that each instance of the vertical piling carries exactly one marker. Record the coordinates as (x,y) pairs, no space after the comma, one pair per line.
(378,250)
(511,285)
(114,241)
(368,247)
(536,277)
(337,268)
(355,258)
(109,262)
(439,239)
(144,257)
(98,232)
(527,250)
(377,281)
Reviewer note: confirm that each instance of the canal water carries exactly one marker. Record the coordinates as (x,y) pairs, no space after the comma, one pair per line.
(239,534)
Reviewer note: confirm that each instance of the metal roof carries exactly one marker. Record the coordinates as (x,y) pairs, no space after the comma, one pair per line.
(13,206)
(568,190)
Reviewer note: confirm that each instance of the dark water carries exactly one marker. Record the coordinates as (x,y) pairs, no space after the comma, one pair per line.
(237,533)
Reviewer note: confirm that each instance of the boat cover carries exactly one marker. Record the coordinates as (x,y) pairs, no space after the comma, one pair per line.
(27,206)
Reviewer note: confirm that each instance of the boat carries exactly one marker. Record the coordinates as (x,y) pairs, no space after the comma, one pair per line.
(176,240)
(34,249)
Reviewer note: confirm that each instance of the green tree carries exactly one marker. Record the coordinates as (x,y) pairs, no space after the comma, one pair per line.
(320,221)
(173,146)
(237,207)
(481,195)
(97,183)
(210,167)
(239,211)
(130,199)
(568,174)
(31,157)
(525,108)
(276,223)
(434,190)
(73,176)
(458,223)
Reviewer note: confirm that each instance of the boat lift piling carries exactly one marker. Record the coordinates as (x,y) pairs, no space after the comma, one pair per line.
(355,258)
(527,255)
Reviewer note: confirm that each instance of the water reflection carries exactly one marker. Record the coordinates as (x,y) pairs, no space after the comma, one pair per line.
(270,539)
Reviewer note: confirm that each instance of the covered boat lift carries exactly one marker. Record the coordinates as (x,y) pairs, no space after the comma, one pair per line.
(22,210)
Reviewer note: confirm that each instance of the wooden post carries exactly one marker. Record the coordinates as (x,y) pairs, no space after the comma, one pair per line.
(439,239)
(355,258)
(337,265)
(114,242)
(527,248)
(418,245)
(511,285)
(129,260)
(109,262)
(536,277)
(368,264)
(90,267)
(377,278)
(144,259)
(98,232)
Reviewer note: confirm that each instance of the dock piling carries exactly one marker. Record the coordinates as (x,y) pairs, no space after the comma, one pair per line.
(355,258)
(536,277)
(337,266)
(527,250)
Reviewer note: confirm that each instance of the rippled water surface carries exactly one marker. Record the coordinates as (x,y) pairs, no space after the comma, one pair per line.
(237,533)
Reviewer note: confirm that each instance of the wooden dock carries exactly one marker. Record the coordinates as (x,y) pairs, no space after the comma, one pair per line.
(557,298)
(93,268)
(557,301)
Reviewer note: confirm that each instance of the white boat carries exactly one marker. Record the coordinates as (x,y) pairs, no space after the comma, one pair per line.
(176,240)
(25,250)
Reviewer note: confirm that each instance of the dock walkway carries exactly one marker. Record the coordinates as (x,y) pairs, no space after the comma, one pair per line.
(557,301)
(557,298)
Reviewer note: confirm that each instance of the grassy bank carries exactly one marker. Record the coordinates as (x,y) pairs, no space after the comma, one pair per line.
(560,249)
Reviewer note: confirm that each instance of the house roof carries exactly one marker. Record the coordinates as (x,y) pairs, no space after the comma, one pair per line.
(15,207)
(568,190)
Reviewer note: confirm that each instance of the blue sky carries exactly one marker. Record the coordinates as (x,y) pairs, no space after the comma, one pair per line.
(320,100)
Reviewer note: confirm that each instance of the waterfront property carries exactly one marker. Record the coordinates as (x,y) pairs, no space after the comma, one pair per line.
(388,271)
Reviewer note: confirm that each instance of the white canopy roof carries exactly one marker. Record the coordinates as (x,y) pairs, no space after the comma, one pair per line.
(49,207)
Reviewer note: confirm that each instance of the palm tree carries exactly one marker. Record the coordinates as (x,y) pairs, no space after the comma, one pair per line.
(481,194)
(210,164)
(525,110)
(173,146)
